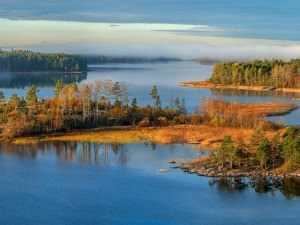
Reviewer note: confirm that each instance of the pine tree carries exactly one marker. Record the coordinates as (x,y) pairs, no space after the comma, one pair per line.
(226,152)
(275,149)
(263,153)
(58,87)
(134,103)
(155,97)
(291,148)
(31,96)
(2,97)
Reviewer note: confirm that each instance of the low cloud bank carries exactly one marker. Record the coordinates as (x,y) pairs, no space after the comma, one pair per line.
(183,51)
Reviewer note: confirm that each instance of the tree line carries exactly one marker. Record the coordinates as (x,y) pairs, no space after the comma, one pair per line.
(272,73)
(103,103)
(281,152)
(106,103)
(28,61)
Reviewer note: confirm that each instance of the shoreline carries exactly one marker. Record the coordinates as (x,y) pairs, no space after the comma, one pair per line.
(210,85)
(205,136)
(210,169)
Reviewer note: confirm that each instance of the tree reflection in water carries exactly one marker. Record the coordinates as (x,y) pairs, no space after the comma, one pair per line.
(252,93)
(107,154)
(289,187)
(229,184)
(85,152)
(40,79)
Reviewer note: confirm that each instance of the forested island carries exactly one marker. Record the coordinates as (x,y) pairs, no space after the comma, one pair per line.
(28,61)
(254,75)
(104,106)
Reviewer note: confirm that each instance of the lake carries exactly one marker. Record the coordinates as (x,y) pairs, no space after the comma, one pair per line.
(88,183)
(141,77)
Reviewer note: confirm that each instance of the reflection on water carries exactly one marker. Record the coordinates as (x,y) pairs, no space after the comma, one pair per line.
(275,94)
(229,184)
(101,154)
(289,187)
(119,154)
(22,80)
(86,152)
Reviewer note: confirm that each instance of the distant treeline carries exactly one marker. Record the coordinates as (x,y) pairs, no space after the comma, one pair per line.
(28,61)
(272,73)
(95,59)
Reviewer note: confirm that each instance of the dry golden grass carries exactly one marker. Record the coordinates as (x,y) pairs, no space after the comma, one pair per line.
(206,136)
(266,108)
(198,84)
(26,141)
(112,136)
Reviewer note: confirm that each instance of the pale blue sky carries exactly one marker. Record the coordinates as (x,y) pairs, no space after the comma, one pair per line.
(230,23)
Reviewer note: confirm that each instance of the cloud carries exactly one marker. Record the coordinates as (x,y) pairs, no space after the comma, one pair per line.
(140,39)
(184,51)
(256,18)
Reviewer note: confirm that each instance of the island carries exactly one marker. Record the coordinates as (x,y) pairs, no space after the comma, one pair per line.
(258,75)
(237,135)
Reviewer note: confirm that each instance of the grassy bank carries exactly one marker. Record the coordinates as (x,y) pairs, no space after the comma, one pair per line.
(205,136)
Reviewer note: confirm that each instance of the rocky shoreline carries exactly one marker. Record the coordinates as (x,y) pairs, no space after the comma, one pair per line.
(210,169)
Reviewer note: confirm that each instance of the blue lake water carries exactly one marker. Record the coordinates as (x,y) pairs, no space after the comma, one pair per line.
(141,77)
(86,183)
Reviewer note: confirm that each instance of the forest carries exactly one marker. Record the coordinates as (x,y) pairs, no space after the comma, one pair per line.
(268,73)
(105,103)
(28,61)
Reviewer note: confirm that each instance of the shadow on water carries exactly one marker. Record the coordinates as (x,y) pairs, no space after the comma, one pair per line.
(43,79)
(289,187)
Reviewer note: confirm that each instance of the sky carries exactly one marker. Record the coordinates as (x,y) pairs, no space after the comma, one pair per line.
(170,28)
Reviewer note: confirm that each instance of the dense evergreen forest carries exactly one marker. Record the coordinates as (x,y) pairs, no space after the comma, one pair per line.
(28,61)
(271,73)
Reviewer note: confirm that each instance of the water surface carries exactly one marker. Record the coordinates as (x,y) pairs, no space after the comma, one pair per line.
(86,183)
